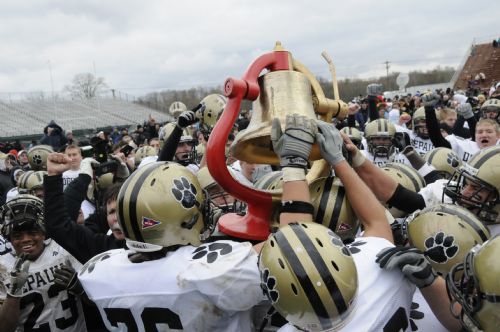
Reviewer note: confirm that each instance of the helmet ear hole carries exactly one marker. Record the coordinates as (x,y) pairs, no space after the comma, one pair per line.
(282,265)
(335,266)
(319,242)
(294,289)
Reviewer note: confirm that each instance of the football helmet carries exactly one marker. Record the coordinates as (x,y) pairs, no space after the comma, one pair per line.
(491,105)
(22,212)
(167,130)
(379,136)
(332,208)
(31,181)
(309,276)
(444,233)
(444,160)
(217,196)
(474,285)
(209,111)
(37,157)
(162,205)
(273,183)
(418,123)
(478,184)
(105,181)
(176,108)
(143,152)
(406,176)
(354,135)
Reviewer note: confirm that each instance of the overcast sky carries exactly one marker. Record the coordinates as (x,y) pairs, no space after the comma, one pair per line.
(142,46)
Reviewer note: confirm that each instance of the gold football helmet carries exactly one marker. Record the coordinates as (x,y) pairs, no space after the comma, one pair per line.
(37,157)
(418,123)
(445,233)
(379,136)
(22,212)
(444,160)
(491,105)
(217,196)
(354,134)
(143,152)
(176,108)
(162,205)
(309,276)
(406,176)
(32,183)
(474,285)
(209,111)
(332,208)
(478,184)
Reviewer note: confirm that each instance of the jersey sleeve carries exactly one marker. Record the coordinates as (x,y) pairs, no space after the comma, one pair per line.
(227,273)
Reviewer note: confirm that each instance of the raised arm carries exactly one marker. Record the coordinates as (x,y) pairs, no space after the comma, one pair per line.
(368,209)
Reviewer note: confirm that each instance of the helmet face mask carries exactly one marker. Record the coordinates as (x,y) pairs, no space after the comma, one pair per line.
(421,129)
(474,194)
(474,285)
(22,213)
(186,151)
(419,124)
(379,136)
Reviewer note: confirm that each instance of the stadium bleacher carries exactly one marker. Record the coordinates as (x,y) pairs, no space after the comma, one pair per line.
(29,117)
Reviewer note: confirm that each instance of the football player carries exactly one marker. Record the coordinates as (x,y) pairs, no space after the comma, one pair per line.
(477,186)
(379,136)
(309,276)
(31,298)
(474,285)
(172,280)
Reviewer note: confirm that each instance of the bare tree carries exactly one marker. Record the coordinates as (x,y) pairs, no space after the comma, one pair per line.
(85,86)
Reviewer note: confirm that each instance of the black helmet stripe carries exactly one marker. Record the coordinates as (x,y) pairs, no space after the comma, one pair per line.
(323,270)
(432,155)
(410,176)
(323,202)
(132,204)
(466,218)
(304,280)
(334,220)
(485,158)
(379,123)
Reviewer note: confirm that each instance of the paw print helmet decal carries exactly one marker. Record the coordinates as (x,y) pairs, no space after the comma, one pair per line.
(445,233)
(37,157)
(308,277)
(478,185)
(162,205)
(332,208)
(445,161)
(474,284)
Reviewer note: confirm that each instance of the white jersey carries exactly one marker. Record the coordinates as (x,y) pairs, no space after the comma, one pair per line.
(69,176)
(384,297)
(397,157)
(421,316)
(206,288)
(11,194)
(5,246)
(464,148)
(421,145)
(44,305)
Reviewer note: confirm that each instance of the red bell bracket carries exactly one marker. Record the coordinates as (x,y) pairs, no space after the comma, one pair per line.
(255,224)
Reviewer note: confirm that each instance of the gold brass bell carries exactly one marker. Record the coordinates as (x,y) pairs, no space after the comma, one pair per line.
(281,93)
